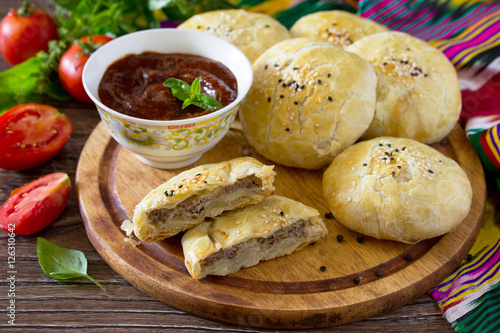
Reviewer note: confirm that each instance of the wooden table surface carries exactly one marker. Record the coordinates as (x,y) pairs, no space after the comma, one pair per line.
(45,304)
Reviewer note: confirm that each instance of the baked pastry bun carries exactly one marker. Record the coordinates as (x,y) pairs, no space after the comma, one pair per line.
(336,26)
(309,100)
(275,227)
(418,95)
(203,191)
(252,33)
(397,189)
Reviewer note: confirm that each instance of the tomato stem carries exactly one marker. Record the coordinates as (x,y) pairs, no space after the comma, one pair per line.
(26,10)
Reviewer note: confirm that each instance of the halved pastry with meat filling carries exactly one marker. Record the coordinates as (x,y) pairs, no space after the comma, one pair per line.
(275,227)
(204,191)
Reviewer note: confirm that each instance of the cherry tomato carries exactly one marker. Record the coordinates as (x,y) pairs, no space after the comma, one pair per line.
(34,206)
(25,32)
(30,135)
(72,63)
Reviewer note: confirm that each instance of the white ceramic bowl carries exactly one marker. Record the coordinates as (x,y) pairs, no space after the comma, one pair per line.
(168,144)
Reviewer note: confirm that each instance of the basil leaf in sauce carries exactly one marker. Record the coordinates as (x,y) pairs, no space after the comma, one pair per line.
(60,263)
(191,94)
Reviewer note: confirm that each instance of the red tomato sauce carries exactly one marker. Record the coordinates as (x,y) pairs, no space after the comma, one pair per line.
(133,85)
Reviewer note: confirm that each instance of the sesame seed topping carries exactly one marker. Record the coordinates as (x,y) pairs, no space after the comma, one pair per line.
(319,81)
(269,99)
(330,98)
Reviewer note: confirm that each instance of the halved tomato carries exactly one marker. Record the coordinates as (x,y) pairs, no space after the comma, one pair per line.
(34,206)
(30,135)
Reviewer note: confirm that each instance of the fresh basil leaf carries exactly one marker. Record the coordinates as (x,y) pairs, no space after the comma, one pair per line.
(195,87)
(206,102)
(61,263)
(180,89)
(187,102)
(191,94)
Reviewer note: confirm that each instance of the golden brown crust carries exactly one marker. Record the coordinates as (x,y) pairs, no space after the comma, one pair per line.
(244,227)
(397,189)
(336,26)
(418,95)
(252,33)
(197,182)
(310,99)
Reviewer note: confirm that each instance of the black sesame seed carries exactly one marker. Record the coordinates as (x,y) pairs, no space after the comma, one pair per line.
(330,98)
(329,75)
(289,84)
(397,150)
(340,238)
(393,174)
(386,153)
(293,82)
(282,213)
(166,193)
(408,257)
(322,268)
(284,85)
(399,166)
(280,80)
(295,68)
(384,158)
(302,87)
(312,243)
(431,171)
(267,26)
(380,145)
(269,99)
(392,158)
(265,67)
(281,96)
(404,148)
(378,273)
(180,186)
(364,164)
(385,64)
(198,174)
(356,279)
(319,81)
(388,145)
(440,161)
(360,239)
(329,215)
(204,182)
(171,193)
(426,75)
(296,103)
(276,65)
(287,129)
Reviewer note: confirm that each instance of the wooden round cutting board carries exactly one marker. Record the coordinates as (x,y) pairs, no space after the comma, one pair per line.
(289,292)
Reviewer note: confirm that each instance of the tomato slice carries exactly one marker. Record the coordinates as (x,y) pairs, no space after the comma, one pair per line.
(34,206)
(30,135)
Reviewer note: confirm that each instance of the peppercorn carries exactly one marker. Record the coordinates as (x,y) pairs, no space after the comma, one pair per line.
(356,279)
(329,215)
(360,239)
(378,273)
(322,268)
(340,238)
(408,257)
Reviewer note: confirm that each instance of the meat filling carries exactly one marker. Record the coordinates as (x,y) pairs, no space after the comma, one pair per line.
(294,230)
(194,205)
